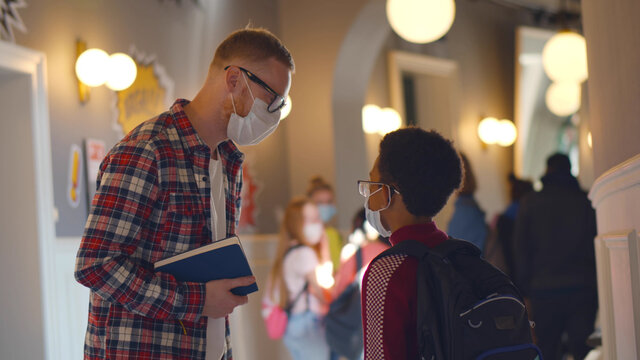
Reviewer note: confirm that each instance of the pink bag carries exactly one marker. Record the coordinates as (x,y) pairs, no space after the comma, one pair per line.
(275,317)
(275,320)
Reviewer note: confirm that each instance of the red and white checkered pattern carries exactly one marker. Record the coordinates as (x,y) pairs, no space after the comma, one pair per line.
(152,202)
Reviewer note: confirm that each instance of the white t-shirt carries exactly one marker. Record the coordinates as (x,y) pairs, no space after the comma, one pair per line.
(215,327)
(297,264)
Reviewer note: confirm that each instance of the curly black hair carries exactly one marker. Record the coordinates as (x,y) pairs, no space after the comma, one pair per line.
(424,167)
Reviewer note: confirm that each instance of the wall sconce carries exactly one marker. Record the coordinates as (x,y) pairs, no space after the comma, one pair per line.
(421,21)
(286,109)
(380,121)
(493,131)
(94,67)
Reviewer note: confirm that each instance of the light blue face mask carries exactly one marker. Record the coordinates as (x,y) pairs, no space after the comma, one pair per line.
(327,211)
(373,217)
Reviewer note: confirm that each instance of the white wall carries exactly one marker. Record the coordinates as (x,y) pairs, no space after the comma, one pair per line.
(22,330)
(613,53)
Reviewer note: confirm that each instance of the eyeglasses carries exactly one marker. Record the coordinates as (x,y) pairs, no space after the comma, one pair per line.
(278,101)
(368,188)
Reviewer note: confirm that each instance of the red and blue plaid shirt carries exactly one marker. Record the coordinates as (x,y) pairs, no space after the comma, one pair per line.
(152,202)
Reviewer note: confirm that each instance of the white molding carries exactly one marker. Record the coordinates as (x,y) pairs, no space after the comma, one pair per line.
(634,266)
(614,276)
(605,300)
(618,178)
(32,63)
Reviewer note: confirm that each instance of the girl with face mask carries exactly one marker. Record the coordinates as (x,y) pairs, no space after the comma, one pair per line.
(300,278)
(321,193)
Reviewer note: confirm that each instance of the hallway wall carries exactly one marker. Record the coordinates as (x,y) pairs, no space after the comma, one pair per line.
(327,137)
(182,35)
(613,54)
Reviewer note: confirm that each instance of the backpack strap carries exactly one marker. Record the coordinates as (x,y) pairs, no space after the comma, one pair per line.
(358,259)
(291,303)
(430,342)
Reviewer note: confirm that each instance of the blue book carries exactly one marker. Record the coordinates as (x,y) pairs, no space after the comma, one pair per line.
(223,259)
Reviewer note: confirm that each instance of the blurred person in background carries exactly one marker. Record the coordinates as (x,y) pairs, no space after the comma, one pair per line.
(321,193)
(555,260)
(300,275)
(504,225)
(468,219)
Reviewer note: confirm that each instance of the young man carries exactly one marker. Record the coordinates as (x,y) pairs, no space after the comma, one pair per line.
(411,180)
(171,185)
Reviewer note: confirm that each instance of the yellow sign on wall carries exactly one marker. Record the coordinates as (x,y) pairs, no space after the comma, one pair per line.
(147,97)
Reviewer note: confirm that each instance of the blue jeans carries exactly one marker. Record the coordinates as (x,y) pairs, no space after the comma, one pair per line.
(304,337)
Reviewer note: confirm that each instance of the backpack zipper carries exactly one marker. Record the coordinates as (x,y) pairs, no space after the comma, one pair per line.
(504,297)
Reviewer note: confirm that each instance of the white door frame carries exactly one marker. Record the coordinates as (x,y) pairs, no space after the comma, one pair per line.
(18,59)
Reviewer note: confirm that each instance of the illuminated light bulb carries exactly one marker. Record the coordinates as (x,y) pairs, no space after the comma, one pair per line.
(421,21)
(488,130)
(324,275)
(589,140)
(563,98)
(122,71)
(92,67)
(371,115)
(391,121)
(347,251)
(564,57)
(286,109)
(507,133)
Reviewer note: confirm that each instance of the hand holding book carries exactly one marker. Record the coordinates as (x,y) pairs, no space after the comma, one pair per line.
(223,259)
(219,301)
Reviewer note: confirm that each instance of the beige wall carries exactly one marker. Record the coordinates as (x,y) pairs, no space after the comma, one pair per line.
(481,41)
(313,31)
(611,29)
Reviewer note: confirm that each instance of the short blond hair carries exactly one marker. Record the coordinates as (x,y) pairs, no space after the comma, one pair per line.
(253,44)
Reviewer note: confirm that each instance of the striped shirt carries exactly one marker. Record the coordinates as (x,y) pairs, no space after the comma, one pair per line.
(152,202)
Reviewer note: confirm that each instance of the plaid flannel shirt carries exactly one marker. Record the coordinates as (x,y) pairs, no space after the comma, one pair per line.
(152,202)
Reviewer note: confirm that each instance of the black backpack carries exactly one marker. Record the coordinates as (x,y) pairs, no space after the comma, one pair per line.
(466,308)
(343,322)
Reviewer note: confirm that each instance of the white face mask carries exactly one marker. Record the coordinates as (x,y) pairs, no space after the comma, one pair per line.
(373,217)
(257,125)
(313,233)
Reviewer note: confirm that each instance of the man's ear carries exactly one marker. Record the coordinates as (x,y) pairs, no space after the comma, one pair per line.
(232,79)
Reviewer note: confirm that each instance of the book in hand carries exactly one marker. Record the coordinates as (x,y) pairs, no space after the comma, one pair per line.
(223,259)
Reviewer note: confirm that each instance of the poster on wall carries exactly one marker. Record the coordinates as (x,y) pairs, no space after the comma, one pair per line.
(94,151)
(9,19)
(150,94)
(74,187)
(249,212)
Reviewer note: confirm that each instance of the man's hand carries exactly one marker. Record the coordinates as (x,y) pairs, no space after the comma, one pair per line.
(219,301)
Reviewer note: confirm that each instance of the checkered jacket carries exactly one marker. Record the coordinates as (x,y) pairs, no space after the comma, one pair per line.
(152,202)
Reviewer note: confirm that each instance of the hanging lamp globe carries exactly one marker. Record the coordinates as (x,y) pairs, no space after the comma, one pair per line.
(563,98)
(564,57)
(421,21)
